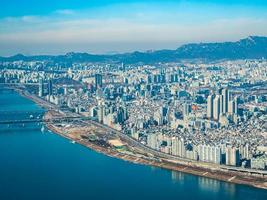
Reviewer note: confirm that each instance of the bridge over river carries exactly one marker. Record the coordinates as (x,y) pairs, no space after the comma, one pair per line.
(34,120)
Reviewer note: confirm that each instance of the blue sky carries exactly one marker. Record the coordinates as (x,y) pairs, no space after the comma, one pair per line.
(106,26)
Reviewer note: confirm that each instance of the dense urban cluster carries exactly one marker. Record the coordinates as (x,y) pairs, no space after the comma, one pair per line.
(214,113)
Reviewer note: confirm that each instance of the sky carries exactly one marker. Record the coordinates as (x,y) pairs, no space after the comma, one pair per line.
(55,27)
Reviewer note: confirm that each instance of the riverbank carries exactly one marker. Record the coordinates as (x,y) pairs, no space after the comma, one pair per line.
(135,155)
(138,158)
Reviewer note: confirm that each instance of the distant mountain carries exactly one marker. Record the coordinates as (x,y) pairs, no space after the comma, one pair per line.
(253,47)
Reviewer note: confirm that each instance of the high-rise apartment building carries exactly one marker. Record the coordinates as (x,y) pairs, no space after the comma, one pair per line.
(216,107)
(98,81)
(232,156)
(225,100)
(41,88)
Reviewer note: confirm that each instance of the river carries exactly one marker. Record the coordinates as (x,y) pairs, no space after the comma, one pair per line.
(42,165)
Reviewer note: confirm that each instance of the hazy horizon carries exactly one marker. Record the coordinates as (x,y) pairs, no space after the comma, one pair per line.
(101,27)
(114,52)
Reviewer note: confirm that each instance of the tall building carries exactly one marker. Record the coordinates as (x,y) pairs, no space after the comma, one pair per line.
(231,107)
(232,156)
(122,114)
(122,66)
(186,110)
(101,111)
(222,104)
(152,141)
(210,106)
(41,88)
(175,141)
(236,105)
(149,78)
(244,152)
(210,154)
(178,147)
(98,80)
(202,152)
(216,107)
(216,155)
(181,148)
(50,87)
(160,115)
(225,94)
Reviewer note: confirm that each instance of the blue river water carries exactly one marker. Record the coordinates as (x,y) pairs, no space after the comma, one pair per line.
(36,165)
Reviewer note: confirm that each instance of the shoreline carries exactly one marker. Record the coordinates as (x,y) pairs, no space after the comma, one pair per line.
(226,176)
(197,171)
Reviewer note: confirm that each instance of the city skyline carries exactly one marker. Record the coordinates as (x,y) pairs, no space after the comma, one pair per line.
(123,26)
(203,113)
(133,99)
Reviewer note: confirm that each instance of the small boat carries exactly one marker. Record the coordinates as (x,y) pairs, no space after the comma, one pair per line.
(31,116)
(73,142)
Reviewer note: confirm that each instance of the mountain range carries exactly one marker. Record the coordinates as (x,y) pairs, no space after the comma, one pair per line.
(252,47)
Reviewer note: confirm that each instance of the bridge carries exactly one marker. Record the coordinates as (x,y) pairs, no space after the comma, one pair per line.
(18,84)
(38,120)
